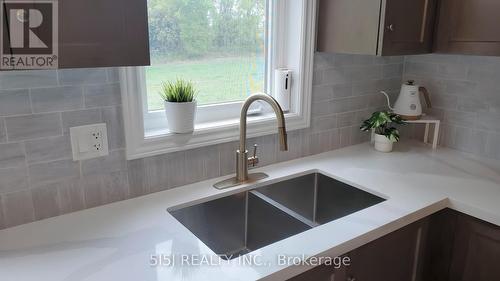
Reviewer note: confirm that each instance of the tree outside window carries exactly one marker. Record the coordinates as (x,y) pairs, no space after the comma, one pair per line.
(219,45)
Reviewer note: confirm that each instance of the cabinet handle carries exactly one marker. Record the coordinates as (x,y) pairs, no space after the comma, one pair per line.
(390,27)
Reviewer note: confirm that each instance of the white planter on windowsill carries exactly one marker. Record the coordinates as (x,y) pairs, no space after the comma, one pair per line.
(382,143)
(180,116)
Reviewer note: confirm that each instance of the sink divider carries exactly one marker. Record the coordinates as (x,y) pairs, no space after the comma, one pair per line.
(246,219)
(315,197)
(284,209)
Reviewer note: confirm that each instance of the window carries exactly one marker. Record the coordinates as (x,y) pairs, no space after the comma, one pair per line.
(229,49)
(219,45)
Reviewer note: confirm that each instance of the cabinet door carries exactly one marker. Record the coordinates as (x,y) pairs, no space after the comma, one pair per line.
(348,26)
(394,257)
(476,253)
(98,33)
(469,27)
(440,244)
(90,33)
(322,273)
(408,27)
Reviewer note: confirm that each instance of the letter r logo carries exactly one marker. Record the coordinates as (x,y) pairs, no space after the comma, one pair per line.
(27,27)
(29,34)
(17,21)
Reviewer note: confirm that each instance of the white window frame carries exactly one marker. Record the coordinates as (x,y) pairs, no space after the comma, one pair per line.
(290,49)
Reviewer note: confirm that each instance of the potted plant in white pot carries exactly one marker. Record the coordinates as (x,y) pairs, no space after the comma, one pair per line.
(180,105)
(385,134)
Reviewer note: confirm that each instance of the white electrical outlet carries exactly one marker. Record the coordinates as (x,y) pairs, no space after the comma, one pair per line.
(90,141)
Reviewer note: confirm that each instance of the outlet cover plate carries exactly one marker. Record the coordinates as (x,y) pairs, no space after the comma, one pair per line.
(89,141)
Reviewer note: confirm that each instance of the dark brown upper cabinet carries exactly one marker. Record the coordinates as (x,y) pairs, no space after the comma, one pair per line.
(93,33)
(98,33)
(376,27)
(468,27)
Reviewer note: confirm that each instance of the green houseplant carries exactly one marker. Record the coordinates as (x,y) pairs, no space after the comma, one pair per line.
(180,105)
(385,134)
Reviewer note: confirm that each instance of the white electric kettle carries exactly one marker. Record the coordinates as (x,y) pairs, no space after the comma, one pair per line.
(408,104)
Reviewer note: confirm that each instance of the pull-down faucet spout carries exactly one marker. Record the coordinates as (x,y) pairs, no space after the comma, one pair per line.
(242,160)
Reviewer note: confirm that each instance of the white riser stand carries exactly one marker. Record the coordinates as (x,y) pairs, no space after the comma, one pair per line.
(428,120)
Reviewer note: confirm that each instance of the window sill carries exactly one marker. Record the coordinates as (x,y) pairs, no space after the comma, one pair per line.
(205,127)
(162,141)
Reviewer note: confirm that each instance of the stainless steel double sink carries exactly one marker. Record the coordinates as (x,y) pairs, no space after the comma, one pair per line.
(237,224)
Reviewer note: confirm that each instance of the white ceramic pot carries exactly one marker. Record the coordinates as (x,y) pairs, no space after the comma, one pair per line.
(180,116)
(382,143)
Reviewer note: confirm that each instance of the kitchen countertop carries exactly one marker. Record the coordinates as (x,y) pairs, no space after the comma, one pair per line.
(116,241)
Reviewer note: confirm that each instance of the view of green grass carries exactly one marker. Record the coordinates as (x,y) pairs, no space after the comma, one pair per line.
(218,80)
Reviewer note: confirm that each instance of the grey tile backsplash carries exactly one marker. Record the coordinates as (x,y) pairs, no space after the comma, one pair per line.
(56,99)
(38,178)
(11,155)
(3,133)
(14,102)
(466,96)
(33,126)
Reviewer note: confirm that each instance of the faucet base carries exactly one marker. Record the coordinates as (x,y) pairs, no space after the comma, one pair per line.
(232,182)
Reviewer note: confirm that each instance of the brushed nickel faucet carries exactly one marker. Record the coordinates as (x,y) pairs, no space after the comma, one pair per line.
(242,159)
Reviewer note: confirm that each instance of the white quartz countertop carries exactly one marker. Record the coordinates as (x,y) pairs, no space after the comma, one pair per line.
(116,241)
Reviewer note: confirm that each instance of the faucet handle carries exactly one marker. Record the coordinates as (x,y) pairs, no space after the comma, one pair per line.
(254,160)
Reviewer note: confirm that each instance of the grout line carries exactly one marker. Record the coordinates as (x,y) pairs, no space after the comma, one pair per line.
(62,111)
(28,177)
(48,161)
(31,101)
(84,94)
(30,194)
(29,114)
(58,77)
(35,139)
(82,97)
(4,122)
(61,123)
(58,85)
(15,191)
(2,212)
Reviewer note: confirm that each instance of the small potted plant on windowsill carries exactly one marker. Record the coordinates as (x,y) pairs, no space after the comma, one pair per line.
(180,105)
(385,134)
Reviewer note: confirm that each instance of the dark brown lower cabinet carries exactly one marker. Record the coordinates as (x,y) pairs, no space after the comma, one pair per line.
(476,251)
(461,248)
(439,247)
(447,246)
(394,257)
(321,273)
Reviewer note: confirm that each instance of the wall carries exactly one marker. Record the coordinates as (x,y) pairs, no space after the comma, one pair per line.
(38,178)
(466,96)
